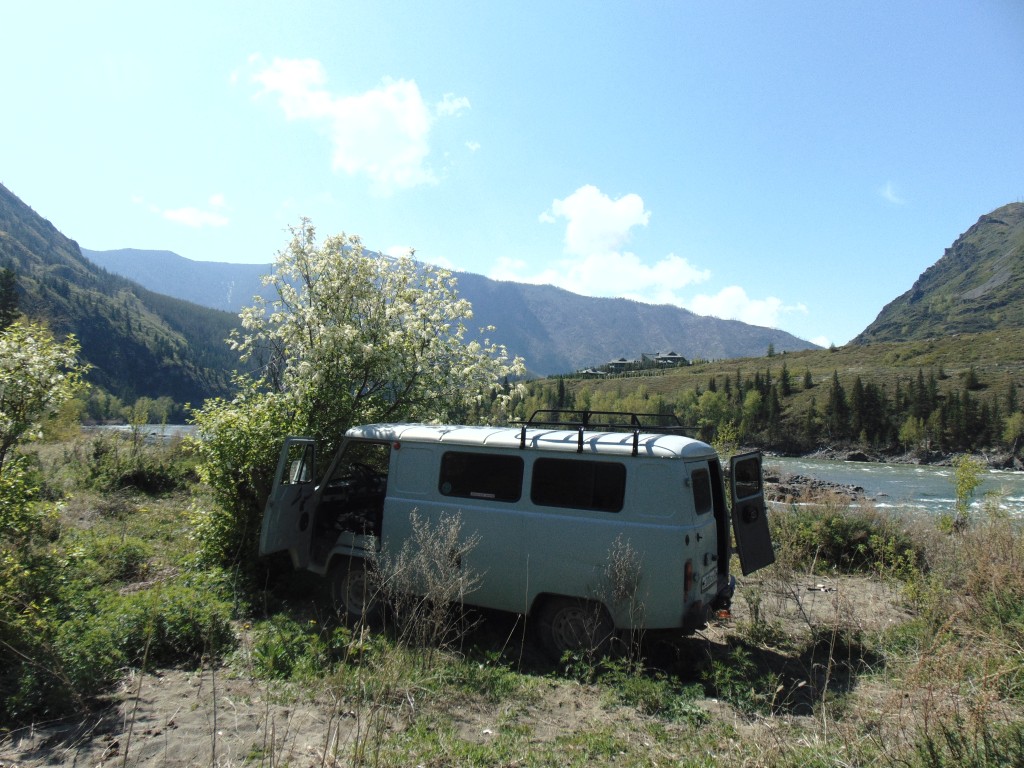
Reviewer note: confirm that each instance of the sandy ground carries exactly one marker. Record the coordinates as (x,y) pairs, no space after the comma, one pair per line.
(215,717)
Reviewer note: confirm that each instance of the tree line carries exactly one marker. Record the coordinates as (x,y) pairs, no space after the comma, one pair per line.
(926,412)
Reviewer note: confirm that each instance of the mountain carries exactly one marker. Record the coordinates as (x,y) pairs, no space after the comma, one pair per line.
(138,342)
(555,331)
(214,284)
(977,286)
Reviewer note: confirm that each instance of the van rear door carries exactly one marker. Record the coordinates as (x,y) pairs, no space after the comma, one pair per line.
(288,516)
(749,518)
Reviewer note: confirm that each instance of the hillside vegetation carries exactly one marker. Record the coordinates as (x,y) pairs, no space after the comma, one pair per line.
(953,393)
(139,343)
(977,285)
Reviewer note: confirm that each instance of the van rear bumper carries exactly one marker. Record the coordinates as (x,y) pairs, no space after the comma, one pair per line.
(701,612)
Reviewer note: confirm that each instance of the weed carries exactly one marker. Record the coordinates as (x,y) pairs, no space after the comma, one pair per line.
(736,679)
(652,692)
(425,583)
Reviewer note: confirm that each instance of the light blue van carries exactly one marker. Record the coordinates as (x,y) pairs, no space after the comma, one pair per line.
(547,502)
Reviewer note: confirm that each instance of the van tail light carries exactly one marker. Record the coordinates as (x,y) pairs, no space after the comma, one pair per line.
(688,578)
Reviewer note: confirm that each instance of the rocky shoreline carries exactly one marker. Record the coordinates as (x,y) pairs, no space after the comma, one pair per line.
(1007,461)
(789,488)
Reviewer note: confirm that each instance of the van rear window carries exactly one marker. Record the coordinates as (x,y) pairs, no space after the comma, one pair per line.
(481,476)
(701,482)
(597,485)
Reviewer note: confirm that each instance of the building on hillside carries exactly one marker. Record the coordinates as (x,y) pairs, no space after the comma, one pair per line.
(622,364)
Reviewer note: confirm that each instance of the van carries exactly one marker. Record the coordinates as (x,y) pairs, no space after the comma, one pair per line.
(547,503)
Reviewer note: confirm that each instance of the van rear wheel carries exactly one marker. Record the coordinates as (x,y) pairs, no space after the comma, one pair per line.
(574,625)
(353,592)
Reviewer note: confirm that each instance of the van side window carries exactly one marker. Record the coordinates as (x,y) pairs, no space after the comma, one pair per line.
(597,485)
(700,480)
(481,476)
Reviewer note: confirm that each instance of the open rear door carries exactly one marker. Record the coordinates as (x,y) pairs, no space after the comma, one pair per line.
(288,516)
(749,518)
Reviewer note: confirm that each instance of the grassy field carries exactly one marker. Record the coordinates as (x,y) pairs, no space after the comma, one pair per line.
(876,638)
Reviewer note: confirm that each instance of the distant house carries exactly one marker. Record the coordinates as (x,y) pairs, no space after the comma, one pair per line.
(622,364)
(647,361)
(670,359)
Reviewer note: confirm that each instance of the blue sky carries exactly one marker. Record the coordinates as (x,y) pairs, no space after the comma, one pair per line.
(790,164)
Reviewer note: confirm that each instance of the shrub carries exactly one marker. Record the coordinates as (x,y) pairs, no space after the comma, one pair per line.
(425,583)
(851,539)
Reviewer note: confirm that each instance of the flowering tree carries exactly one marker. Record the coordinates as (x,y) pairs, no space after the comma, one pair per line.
(37,375)
(358,337)
(352,337)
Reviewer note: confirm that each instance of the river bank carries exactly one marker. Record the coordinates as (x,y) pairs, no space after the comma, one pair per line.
(993,460)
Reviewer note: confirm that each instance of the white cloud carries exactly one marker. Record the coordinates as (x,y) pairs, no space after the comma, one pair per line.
(192,216)
(596,228)
(821,341)
(451,104)
(382,134)
(733,303)
(596,264)
(596,223)
(888,193)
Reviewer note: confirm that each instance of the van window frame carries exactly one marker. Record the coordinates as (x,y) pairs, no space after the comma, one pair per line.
(501,492)
(704,502)
(549,491)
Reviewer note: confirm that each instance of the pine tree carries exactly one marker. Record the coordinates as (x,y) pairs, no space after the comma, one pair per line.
(785,385)
(837,410)
(8,297)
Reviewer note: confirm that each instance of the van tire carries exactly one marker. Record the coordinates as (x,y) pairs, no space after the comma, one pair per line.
(573,625)
(352,592)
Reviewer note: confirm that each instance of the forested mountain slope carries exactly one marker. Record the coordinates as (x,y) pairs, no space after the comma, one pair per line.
(139,343)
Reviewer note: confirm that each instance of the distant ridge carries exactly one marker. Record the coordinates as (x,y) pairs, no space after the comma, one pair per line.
(977,286)
(555,330)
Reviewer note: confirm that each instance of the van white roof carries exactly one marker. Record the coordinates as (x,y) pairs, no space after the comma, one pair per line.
(555,440)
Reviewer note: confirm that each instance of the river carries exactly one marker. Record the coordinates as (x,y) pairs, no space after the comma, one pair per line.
(909,486)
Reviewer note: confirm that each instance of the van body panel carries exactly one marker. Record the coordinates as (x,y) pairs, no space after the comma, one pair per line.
(583,496)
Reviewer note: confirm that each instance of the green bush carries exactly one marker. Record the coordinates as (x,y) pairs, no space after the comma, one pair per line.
(850,539)
(236,457)
(285,648)
(74,643)
(96,558)
(116,461)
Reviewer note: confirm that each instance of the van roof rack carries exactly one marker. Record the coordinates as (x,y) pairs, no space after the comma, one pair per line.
(612,421)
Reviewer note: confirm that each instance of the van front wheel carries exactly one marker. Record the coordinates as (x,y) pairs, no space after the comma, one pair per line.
(352,592)
(574,625)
